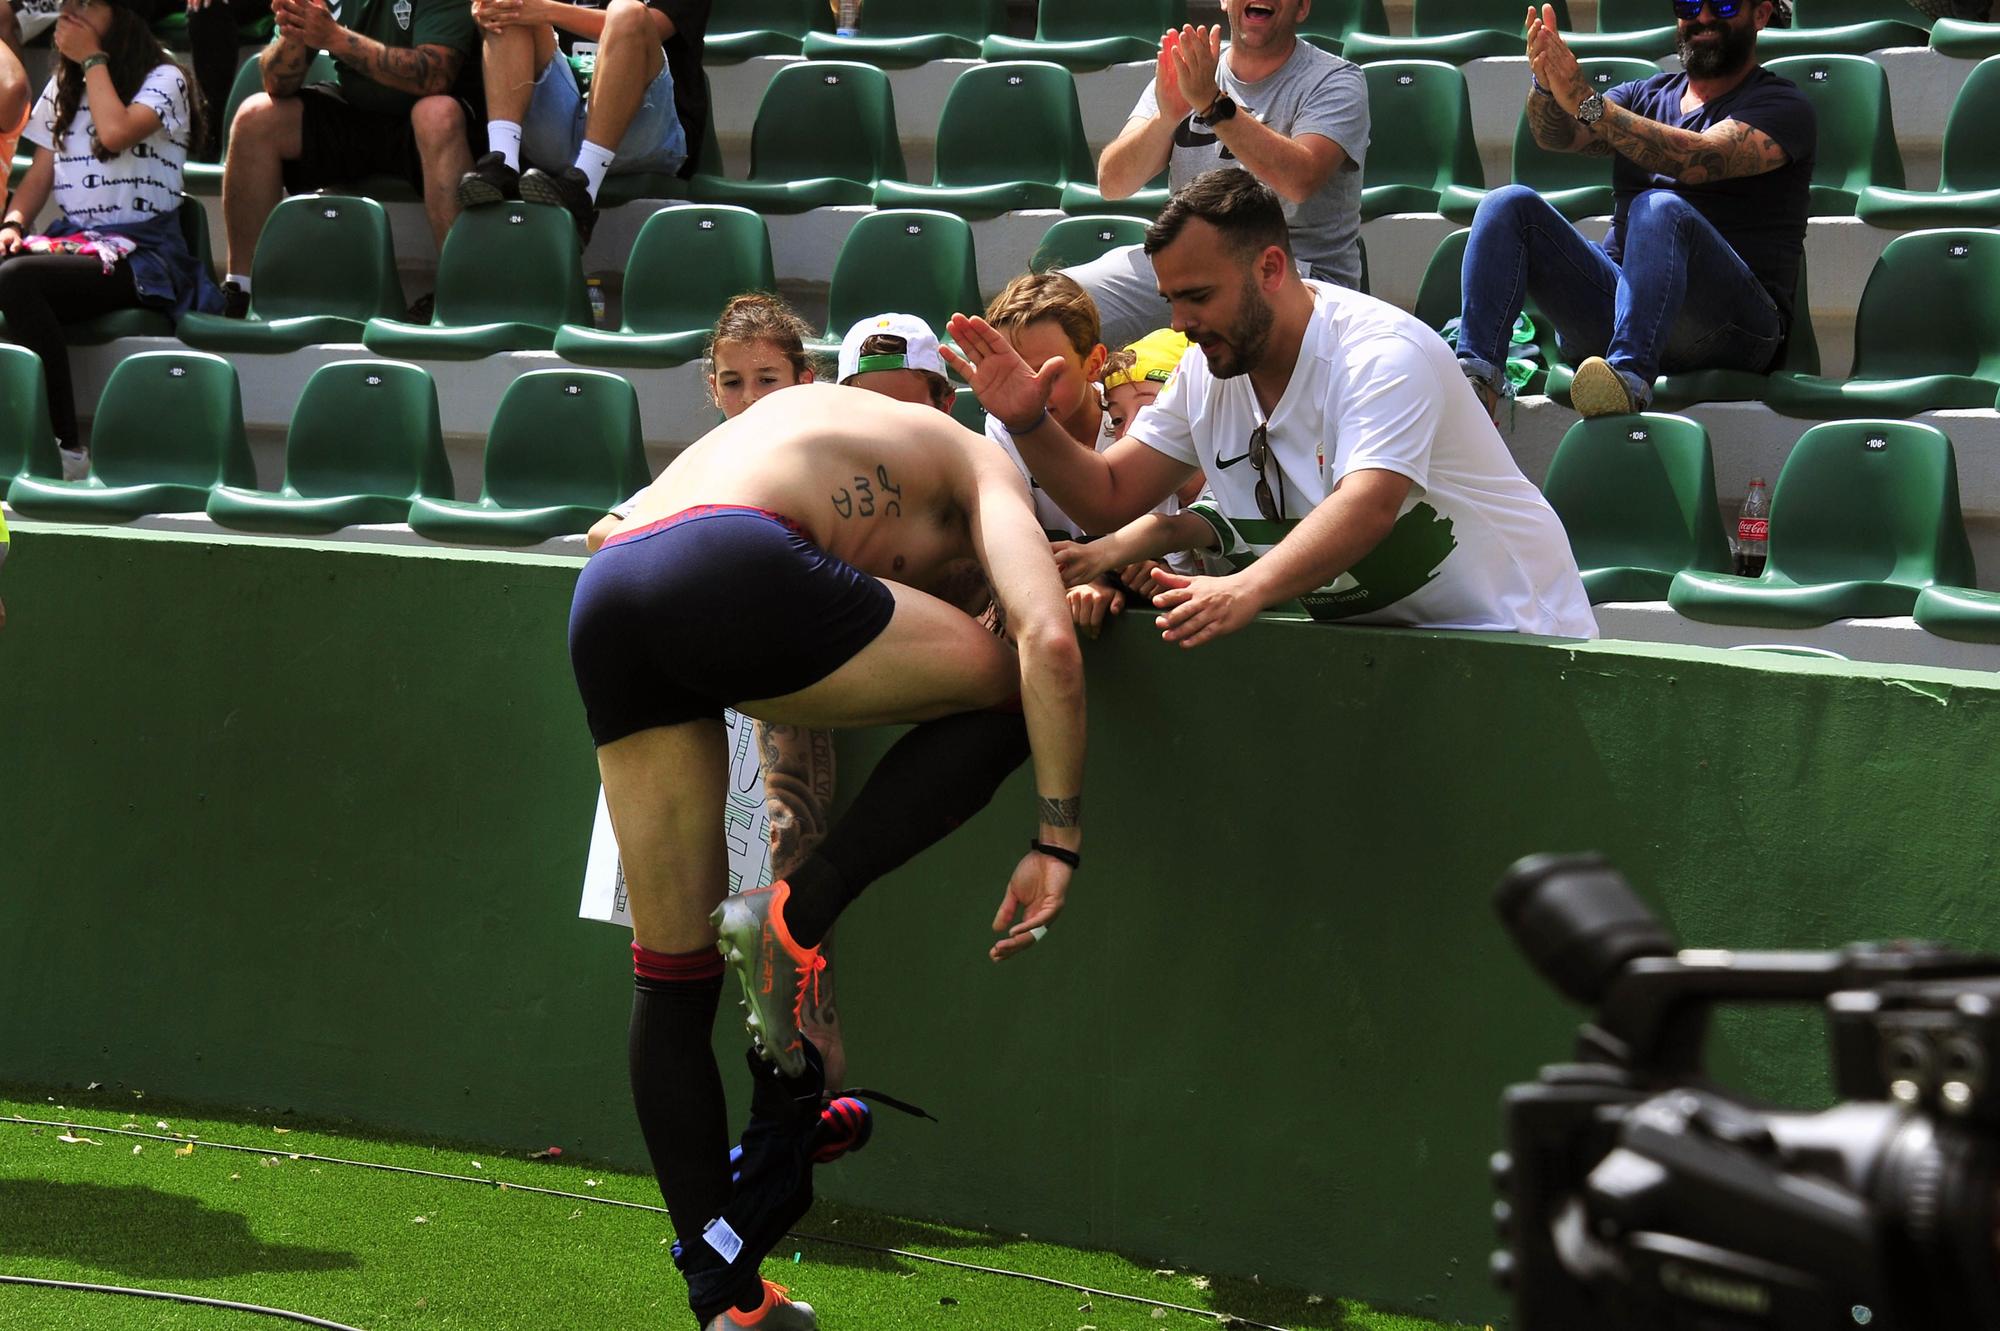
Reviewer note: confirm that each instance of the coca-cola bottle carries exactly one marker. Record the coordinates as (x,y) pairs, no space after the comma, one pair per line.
(1753,531)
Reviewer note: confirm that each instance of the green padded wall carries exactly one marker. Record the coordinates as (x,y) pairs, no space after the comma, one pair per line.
(303,825)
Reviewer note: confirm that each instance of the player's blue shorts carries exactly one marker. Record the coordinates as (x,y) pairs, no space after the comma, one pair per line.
(712,606)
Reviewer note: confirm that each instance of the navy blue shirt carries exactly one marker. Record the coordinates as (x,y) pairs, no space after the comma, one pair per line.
(1763,217)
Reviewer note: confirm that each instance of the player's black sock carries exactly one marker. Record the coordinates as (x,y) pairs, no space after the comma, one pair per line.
(930,781)
(677,1089)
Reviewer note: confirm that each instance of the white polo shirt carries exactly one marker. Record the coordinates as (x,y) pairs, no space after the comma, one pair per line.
(1476,545)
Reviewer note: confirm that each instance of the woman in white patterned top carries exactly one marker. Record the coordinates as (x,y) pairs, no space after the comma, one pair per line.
(111,134)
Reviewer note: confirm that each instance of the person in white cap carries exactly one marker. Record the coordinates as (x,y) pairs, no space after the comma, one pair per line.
(897,356)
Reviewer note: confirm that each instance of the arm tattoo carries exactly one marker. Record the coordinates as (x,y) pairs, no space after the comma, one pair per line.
(284,65)
(1554,128)
(422,70)
(1730,149)
(1060,812)
(798,790)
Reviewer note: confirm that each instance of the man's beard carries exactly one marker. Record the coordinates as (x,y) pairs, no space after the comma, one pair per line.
(1241,349)
(1728,55)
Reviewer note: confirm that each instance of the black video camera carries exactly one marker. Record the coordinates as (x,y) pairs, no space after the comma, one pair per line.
(1634,1196)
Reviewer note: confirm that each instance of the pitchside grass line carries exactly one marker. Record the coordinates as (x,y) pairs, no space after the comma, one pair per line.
(386,1251)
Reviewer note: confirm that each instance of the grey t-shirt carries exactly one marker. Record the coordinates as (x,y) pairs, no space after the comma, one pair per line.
(1313,92)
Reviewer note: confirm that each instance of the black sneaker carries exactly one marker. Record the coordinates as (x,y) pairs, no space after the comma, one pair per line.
(235,301)
(421,309)
(569,188)
(490,180)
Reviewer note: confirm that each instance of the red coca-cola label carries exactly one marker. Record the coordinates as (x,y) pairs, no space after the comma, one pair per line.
(1753,529)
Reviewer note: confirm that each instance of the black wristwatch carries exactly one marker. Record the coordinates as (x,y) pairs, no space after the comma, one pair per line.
(1219,110)
(1591,109)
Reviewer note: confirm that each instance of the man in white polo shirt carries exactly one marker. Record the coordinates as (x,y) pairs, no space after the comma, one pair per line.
(1352,469)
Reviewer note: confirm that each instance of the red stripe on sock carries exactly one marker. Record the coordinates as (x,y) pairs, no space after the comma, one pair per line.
(705,964)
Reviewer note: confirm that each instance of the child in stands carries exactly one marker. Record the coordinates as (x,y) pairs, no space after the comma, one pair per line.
(111,134)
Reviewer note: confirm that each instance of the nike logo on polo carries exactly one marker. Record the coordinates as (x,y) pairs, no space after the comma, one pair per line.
(1224,464)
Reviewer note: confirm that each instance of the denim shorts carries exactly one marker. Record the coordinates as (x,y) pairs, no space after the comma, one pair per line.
(552,130)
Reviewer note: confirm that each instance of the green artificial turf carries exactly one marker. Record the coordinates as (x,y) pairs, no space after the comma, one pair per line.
(383,1251)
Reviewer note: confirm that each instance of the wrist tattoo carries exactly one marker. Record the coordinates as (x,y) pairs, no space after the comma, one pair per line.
(1060,812)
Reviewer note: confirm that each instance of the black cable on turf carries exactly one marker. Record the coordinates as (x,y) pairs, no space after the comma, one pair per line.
(505,1186)
(74,1286)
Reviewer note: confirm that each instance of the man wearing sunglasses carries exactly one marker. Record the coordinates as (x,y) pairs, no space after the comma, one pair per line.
(1712,175)
(1353,472)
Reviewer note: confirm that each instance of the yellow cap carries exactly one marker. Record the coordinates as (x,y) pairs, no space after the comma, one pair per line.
(1158,355)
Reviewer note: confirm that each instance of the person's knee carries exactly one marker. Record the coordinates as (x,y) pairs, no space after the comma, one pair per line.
(438,123)
(1656,211)
(1510,204)
(256,125)
(627,21)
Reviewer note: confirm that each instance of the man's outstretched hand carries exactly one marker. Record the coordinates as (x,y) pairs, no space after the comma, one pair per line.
(1000,379)
(1035,893)
(1199,610)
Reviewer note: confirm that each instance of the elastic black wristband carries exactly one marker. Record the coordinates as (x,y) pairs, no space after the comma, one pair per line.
(1069,857)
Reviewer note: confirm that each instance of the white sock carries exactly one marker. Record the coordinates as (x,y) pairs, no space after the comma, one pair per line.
(504,137)
(242,282)
(594,162)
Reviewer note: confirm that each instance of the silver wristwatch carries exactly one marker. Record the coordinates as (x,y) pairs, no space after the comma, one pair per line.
(1591,109)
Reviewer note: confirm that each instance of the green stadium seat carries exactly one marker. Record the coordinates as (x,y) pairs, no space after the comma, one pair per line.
(169,427)
(509,276)
(900,34)
(364,442)
(825,135)
(27,440)
(1454,31)
(1637,496)
(1844,27)
(1969,188)
(1421,143)
(1081,199)
(564,448)
(761,27)
(908,261)
(1575,185)
(1330,22)
(1441,299)
(1672,392)
(685,265)
(1959,612)
(207,176)
(172,28)
(1967,41)
(1090,34)
(1078,240)
(1632,28)
(1865,515)
(325,266)
(981,173)
(1857,134)
(1926,338)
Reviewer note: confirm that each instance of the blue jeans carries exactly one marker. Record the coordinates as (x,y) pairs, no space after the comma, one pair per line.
(552,130)
(1645,317)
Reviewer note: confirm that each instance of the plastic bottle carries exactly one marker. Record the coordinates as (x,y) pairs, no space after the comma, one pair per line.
(595,287)
(1753,531)
(849,22)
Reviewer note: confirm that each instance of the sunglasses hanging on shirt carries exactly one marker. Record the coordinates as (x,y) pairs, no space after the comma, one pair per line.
(1271,506)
